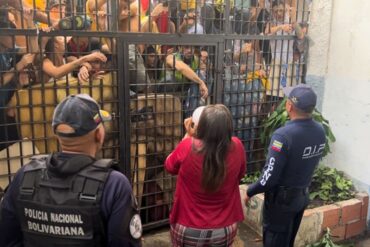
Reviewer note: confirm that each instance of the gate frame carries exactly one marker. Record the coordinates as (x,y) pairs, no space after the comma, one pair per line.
(123,42)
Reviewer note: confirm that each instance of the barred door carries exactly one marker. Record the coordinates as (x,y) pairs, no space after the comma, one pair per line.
(156,71)
(161,88)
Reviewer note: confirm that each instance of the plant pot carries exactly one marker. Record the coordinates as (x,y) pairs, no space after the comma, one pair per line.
(346,219)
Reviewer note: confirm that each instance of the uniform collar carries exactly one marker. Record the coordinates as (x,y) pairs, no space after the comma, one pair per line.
(65,164)
(302,120)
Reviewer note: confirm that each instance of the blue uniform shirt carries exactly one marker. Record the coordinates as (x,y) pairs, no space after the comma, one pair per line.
(294,152)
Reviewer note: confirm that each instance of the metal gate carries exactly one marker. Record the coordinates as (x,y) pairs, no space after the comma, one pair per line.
(151,83)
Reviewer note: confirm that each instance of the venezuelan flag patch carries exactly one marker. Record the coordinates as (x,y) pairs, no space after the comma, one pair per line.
(277,146)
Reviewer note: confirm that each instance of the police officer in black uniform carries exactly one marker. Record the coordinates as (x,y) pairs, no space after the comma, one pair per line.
(294,152)
(69,198)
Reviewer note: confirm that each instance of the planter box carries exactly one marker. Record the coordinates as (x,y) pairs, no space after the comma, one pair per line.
(346,219)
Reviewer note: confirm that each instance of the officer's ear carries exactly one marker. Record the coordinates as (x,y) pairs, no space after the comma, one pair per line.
(100,134)
(288,105)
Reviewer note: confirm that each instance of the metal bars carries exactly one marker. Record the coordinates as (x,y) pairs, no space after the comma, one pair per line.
(244,52)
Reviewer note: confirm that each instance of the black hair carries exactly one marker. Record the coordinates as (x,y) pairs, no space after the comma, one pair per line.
(303,24)
(95,44)
(149,49)
(4,19)
(3,15)
(278,2)
(254,3)
(49,47)
(215,130)
(51,3)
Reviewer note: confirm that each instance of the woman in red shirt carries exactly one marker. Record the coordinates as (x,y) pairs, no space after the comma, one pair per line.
(209,165)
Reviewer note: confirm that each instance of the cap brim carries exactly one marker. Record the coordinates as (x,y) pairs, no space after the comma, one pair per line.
(287,91)
(105,116)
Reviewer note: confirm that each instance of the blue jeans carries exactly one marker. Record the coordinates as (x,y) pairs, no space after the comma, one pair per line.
(283,75)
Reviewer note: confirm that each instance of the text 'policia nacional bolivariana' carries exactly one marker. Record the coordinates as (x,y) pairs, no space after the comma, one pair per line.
(50,218)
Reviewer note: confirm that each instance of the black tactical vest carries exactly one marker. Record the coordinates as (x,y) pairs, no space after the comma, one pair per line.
(62,211)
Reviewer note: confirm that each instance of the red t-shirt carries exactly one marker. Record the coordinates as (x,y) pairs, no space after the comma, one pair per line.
(193,207)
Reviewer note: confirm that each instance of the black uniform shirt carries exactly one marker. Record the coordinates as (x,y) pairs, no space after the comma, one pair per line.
(294,152)
(116,200)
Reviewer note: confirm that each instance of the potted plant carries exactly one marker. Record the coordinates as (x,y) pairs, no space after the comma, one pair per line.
(328,186)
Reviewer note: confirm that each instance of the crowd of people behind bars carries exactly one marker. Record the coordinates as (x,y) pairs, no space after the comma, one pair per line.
(150,65)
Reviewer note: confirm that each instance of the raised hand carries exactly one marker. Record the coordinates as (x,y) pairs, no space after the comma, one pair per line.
(25,61)
(83,74)
(95,56)
(203,90)
(189,127)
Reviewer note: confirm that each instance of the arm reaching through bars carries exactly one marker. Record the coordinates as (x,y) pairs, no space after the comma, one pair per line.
(186,71)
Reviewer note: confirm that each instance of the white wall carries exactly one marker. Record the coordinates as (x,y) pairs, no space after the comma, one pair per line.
(319,33)
(346,101)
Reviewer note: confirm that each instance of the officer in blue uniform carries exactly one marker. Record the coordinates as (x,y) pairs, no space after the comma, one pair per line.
(69,198)
(294,152)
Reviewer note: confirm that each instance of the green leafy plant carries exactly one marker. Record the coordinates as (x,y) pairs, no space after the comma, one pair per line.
(250,178)
(330,185)
(280,116)
(327,241)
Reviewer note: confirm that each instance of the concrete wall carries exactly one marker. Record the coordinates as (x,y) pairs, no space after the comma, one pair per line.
(319,33)
(340,71)
(347,88)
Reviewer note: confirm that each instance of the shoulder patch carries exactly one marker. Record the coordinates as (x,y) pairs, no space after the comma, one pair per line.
(277,146)
(136,228)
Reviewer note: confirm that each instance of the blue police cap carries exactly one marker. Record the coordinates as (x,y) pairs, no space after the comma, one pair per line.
(81,112)
(302,96)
